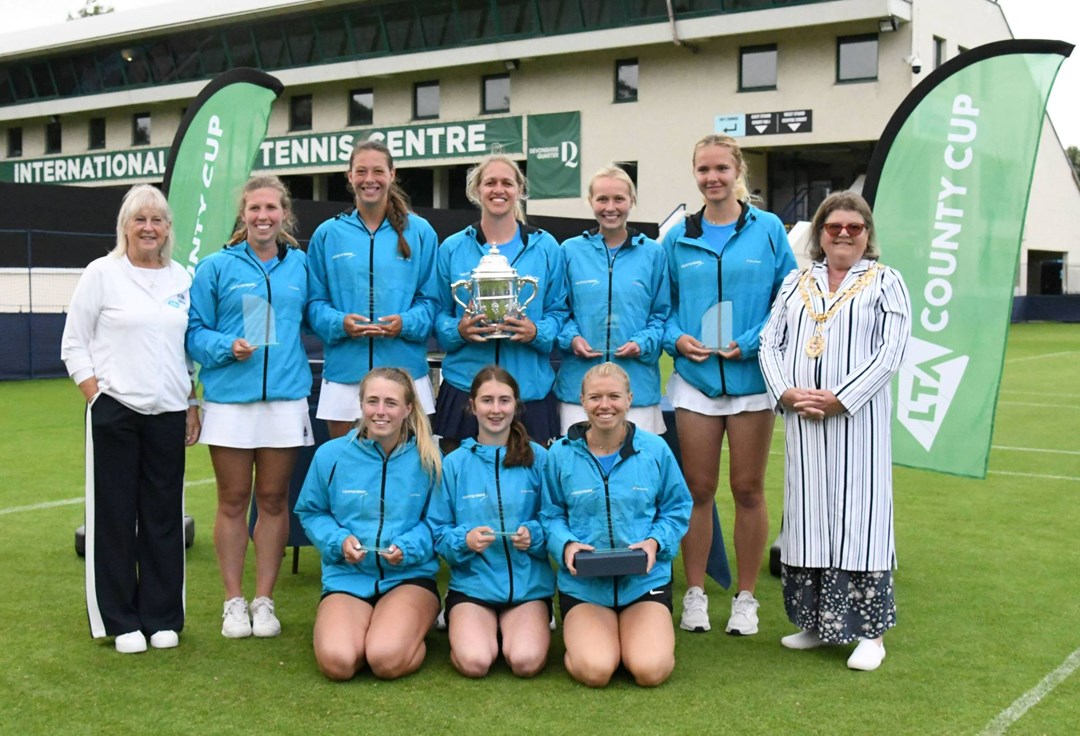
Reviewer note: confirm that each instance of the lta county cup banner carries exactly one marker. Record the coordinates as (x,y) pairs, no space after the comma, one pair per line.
(211,158)
(554,155)
(949,183)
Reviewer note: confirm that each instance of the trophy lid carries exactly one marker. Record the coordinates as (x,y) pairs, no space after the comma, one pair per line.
(494,265)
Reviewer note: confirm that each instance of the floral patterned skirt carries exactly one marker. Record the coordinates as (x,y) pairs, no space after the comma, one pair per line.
(840,605)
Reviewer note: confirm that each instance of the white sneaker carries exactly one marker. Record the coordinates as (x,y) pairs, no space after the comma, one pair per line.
(695,613)
(551,623)
(440,620)
(236,623)
(132,642)
(263,621)
(166,639)
(803,640)
(868,656)
(744,618)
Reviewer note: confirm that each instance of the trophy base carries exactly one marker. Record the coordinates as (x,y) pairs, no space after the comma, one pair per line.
(498,336)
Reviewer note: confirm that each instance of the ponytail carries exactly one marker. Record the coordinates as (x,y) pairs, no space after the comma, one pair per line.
(397,212)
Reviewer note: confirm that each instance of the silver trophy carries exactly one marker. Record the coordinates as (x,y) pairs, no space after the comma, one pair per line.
(494,290)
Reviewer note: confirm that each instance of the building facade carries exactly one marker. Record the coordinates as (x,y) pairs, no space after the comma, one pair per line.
(567,86)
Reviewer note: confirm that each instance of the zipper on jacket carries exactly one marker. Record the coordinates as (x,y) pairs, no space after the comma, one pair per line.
(371,296)
(719,296)
(610,282)
(610,529)
(502,527)
(378,532)
(270,307)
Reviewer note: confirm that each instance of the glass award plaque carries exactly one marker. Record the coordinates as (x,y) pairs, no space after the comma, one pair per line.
(259,324)
(716,327)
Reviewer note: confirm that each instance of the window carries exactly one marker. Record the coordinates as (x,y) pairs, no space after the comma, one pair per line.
(496,92)
(856,58)
(631,169)
(939,51)
(53,136)
(300,112)
(14,142)
(140,129)
(626,80)
(97,133)
(425,100)
(361,107)
(757,68)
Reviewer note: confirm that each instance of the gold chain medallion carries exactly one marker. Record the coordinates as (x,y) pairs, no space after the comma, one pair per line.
(815,346)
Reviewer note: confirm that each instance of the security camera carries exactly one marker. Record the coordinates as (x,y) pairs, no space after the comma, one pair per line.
(916,63)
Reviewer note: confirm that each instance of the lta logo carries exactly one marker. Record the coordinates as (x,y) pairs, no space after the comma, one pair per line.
(929,380)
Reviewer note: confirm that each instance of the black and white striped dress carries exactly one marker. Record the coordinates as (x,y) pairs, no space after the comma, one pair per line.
(838,505)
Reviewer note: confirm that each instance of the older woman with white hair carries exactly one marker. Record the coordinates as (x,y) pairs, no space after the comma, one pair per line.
(123,345)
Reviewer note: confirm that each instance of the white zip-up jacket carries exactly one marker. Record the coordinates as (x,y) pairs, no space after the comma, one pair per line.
(130,339)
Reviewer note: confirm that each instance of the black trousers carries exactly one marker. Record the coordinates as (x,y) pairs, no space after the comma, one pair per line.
(134,519)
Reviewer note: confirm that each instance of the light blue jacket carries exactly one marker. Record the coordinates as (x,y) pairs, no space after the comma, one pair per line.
(356,271)
(353,488)
(613,301)
(644,496)
(747,272)
(223,282)
(478,490)
(530,363)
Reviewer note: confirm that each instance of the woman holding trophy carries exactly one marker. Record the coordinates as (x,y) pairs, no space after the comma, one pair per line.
(619,301)
(247,305)
(372,283)
(514,309)
(726,262)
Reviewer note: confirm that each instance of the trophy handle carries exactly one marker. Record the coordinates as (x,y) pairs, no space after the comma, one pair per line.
(531,280)
(453,293)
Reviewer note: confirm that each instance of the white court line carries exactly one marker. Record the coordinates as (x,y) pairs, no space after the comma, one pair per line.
(1033,475)
(1055,394)
(1034,449)
(1031,403)
(1031,698)
(1044,355)
(80,499)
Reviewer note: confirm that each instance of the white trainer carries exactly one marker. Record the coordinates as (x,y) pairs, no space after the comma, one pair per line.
(803,640)
(695,614)
(165,639)
(263,621)
(744,618)
(868,656)
(236,624)
(132,642)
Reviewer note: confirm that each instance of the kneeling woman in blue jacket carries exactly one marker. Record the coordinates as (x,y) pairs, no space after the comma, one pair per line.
(486,526)
(608,485)
(363,505)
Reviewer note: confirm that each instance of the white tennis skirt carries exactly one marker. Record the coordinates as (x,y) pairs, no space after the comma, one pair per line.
(340,402)
(258,424)
(649,418)
(682,395)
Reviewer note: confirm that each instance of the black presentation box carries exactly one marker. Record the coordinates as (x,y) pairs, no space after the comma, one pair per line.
(611,562)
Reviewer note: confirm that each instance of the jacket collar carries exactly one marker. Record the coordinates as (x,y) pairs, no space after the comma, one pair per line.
(694,228)
(576,435)
(633,237)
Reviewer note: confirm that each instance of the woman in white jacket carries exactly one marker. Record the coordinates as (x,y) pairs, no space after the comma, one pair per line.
(123,345)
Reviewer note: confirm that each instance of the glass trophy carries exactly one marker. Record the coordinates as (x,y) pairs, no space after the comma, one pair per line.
(259,324)
(716,327)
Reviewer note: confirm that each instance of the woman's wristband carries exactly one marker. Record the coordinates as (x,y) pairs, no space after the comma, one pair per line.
(193,402)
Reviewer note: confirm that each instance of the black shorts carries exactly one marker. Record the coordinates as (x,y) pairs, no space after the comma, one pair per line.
(454,597)
(371,600)
(660,595)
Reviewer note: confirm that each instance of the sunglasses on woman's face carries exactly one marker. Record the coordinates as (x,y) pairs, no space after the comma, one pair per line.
(854,229)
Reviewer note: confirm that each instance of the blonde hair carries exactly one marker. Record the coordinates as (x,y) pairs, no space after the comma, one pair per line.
(476,174)
(143,197)
(416,424)
(741,190)
(397,202)
(288,220)
(617,173)
(606,370)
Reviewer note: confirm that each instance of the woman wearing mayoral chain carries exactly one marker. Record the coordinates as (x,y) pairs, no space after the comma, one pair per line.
(836,336)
